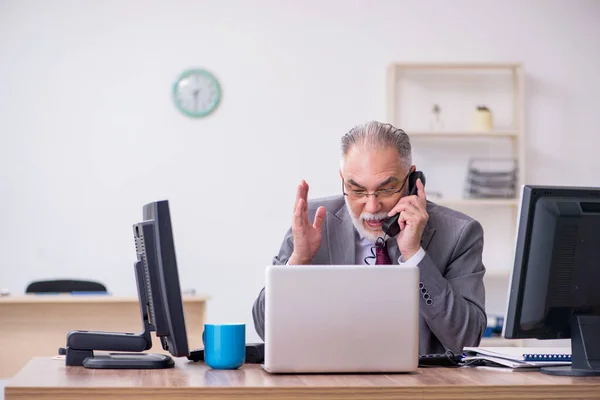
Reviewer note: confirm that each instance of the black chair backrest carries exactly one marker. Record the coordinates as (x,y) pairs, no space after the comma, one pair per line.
(64,286)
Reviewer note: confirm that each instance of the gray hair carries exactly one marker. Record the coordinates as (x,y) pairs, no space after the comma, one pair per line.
(381,135)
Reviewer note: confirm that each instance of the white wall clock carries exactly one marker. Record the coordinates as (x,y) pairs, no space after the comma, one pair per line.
(196,93)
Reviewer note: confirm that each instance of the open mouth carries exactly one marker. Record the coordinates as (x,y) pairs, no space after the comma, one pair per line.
(374,223)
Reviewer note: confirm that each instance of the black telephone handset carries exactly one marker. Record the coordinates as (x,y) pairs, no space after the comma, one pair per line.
(390,226)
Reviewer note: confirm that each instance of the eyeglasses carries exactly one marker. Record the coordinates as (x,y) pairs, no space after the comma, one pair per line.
(361,194)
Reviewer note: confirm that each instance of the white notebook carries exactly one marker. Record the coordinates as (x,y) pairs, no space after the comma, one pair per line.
(517,357)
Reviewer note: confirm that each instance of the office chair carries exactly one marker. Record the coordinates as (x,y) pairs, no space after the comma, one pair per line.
(64,286)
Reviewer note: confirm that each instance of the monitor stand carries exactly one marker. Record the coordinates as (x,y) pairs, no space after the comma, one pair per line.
(585,345)
(81,344)
(129,361)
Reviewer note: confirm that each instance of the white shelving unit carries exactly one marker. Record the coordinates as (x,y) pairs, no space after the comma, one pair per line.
(458,134)
(442,151)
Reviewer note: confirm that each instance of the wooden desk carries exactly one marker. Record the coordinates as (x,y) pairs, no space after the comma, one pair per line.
(46,378)
(37,325)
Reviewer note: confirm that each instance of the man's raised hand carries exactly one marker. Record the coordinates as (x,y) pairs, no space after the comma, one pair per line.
(307,236)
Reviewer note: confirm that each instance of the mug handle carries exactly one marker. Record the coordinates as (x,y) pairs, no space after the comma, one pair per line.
(204,338)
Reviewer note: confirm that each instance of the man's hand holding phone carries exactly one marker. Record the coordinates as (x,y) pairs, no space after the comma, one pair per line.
(412,221)
(307,236)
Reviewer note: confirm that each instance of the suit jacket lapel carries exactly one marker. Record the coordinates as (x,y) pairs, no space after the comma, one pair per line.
(428,232)
(393,250)
(341,238)
(427,235)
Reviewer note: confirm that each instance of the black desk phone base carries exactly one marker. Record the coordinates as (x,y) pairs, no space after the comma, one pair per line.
(255,354)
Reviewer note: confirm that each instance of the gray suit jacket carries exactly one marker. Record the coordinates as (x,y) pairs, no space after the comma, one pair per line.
(451,272)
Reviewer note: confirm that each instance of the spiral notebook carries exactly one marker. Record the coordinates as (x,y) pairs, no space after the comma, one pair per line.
(517,357)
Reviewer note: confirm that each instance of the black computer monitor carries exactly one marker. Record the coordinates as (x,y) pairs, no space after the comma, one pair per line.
(555,287)
(160,302)
(169,317)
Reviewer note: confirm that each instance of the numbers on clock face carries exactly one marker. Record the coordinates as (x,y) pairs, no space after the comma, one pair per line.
(197,93)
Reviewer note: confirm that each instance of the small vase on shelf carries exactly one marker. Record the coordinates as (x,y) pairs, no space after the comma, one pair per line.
(482,119)
(436,124)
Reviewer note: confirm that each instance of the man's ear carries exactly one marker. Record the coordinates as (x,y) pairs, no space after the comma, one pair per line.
(341,176)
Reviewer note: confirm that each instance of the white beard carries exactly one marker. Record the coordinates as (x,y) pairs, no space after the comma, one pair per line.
(358,223)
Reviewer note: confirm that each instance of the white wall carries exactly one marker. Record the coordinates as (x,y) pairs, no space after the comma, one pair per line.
(88,132)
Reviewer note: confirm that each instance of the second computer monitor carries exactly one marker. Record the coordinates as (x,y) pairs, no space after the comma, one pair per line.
(555,287)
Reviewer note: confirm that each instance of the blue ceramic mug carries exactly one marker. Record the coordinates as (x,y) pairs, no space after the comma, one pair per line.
(224,345)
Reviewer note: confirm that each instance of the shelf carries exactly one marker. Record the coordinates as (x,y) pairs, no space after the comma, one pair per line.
(458,134)
(475,202)
(497,273)
(509,66)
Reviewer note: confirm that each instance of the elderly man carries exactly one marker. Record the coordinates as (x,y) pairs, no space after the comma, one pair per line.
(344,229)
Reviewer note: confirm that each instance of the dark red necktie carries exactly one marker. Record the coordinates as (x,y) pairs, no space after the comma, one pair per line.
(381,255)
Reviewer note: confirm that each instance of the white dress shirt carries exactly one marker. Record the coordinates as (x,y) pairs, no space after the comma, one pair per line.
(363,250)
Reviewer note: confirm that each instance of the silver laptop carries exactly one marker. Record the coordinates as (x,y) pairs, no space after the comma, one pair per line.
(341,318)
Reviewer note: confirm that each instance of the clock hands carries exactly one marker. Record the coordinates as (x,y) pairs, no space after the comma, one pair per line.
(196,92)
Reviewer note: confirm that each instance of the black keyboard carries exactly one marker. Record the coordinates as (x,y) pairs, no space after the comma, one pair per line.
(448,359)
